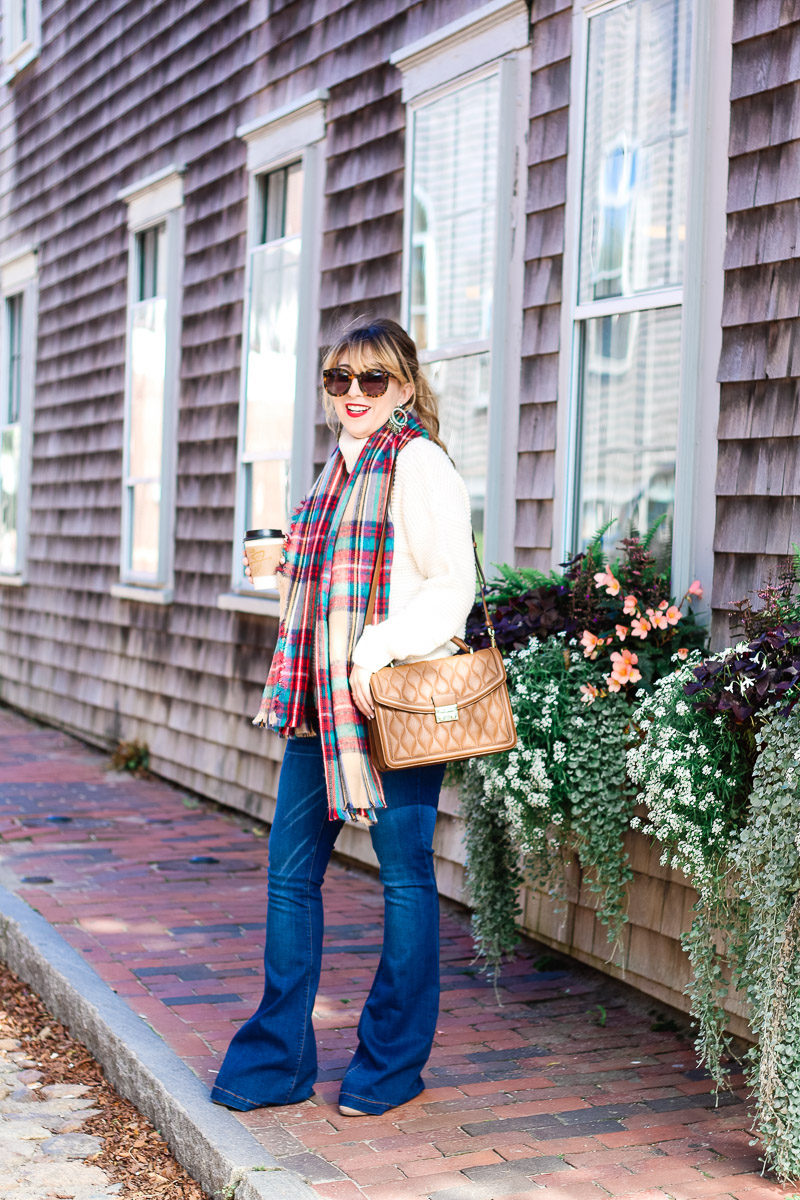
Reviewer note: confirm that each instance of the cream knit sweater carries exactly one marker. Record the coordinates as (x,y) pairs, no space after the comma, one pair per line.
(432,580)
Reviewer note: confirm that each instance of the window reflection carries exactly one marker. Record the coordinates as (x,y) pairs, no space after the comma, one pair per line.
(454,212)
(635,149)
(11,437)
(629,424)
(452,262)
(148,360)
(10,443)
(462,385)
(272,349)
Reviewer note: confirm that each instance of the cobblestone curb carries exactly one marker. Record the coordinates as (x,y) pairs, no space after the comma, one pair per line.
(207,1140)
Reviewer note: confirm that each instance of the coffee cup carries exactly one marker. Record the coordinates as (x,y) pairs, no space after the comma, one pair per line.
(263,548)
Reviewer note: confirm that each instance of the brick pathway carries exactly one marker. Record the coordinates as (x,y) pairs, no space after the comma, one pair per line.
(573,1089)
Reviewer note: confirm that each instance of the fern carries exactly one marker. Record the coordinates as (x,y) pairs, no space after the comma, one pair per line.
(653,530)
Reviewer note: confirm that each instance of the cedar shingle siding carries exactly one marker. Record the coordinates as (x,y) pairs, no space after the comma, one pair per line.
(758,477)
(120,91)
(544,248)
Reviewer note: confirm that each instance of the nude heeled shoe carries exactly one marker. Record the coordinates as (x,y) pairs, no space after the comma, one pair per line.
(346,1111)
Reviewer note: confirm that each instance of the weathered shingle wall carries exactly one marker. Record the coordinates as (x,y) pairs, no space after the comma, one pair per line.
(758,478)
(544,250)
(122,89)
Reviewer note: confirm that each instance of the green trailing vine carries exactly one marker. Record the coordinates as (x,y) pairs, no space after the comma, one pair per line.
(766,864)
(545,792)
(694,778)
(492,874)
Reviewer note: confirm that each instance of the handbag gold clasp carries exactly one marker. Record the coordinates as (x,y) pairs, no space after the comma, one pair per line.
(445,712)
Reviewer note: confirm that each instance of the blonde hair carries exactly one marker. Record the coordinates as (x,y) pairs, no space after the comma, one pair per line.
(383,343)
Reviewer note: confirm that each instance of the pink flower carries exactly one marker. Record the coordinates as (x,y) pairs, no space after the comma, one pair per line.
(695,589)
(683,653)
(622,632)
(590,644)
(624,670)
(640,627)
(625,673)
(589,693)
(673,614)
(630,605)
(663,604)
(657,619)
(606,579)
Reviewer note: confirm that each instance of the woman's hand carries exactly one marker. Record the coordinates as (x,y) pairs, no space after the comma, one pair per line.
(247,570)
(359,687)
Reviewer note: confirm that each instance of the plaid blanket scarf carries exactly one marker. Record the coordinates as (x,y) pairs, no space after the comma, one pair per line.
(330,557)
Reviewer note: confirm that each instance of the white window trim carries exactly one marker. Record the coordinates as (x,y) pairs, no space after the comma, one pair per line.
(457,49)
(494,38)
(15,60)
(264,605)
(701,294)
(19,275)
(157,198)
(293,133)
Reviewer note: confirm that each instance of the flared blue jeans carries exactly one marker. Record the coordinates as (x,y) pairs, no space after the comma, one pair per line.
(272,1058)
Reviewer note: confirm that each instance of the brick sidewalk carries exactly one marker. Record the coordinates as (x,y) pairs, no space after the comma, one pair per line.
(571,1090)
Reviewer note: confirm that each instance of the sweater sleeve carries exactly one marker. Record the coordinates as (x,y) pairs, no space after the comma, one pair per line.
(431,503)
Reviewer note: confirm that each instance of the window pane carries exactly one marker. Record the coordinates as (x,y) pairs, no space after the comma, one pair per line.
(148,361)
(152,262)
(629,424)
(146,504)
(10,439)
(453,215)
(272,349)
(282,200)
(14,352)
(267,494)
(462,385)
(633,214)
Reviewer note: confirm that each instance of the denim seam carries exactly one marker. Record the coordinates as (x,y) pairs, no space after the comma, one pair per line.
(306,1014)
(236,1095)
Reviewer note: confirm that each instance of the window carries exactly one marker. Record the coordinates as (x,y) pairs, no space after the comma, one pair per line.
(18,343)
(10,440)
(21,34)
(148,360)
(628,296)
(452,265)
(152,362)
(279,393)
(271,370)
(462,286)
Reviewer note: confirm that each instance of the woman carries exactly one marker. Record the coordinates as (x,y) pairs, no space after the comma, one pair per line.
(318,696)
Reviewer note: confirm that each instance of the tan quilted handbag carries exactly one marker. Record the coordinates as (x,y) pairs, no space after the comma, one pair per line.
(439,710)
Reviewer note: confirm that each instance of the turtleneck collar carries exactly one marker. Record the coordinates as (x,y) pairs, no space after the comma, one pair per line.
(351,448)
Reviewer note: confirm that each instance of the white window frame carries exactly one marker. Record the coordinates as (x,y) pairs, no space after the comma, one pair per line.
(293,133)
(19,277)
(156,200)
(492,39)
(700,295)
(18,52)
